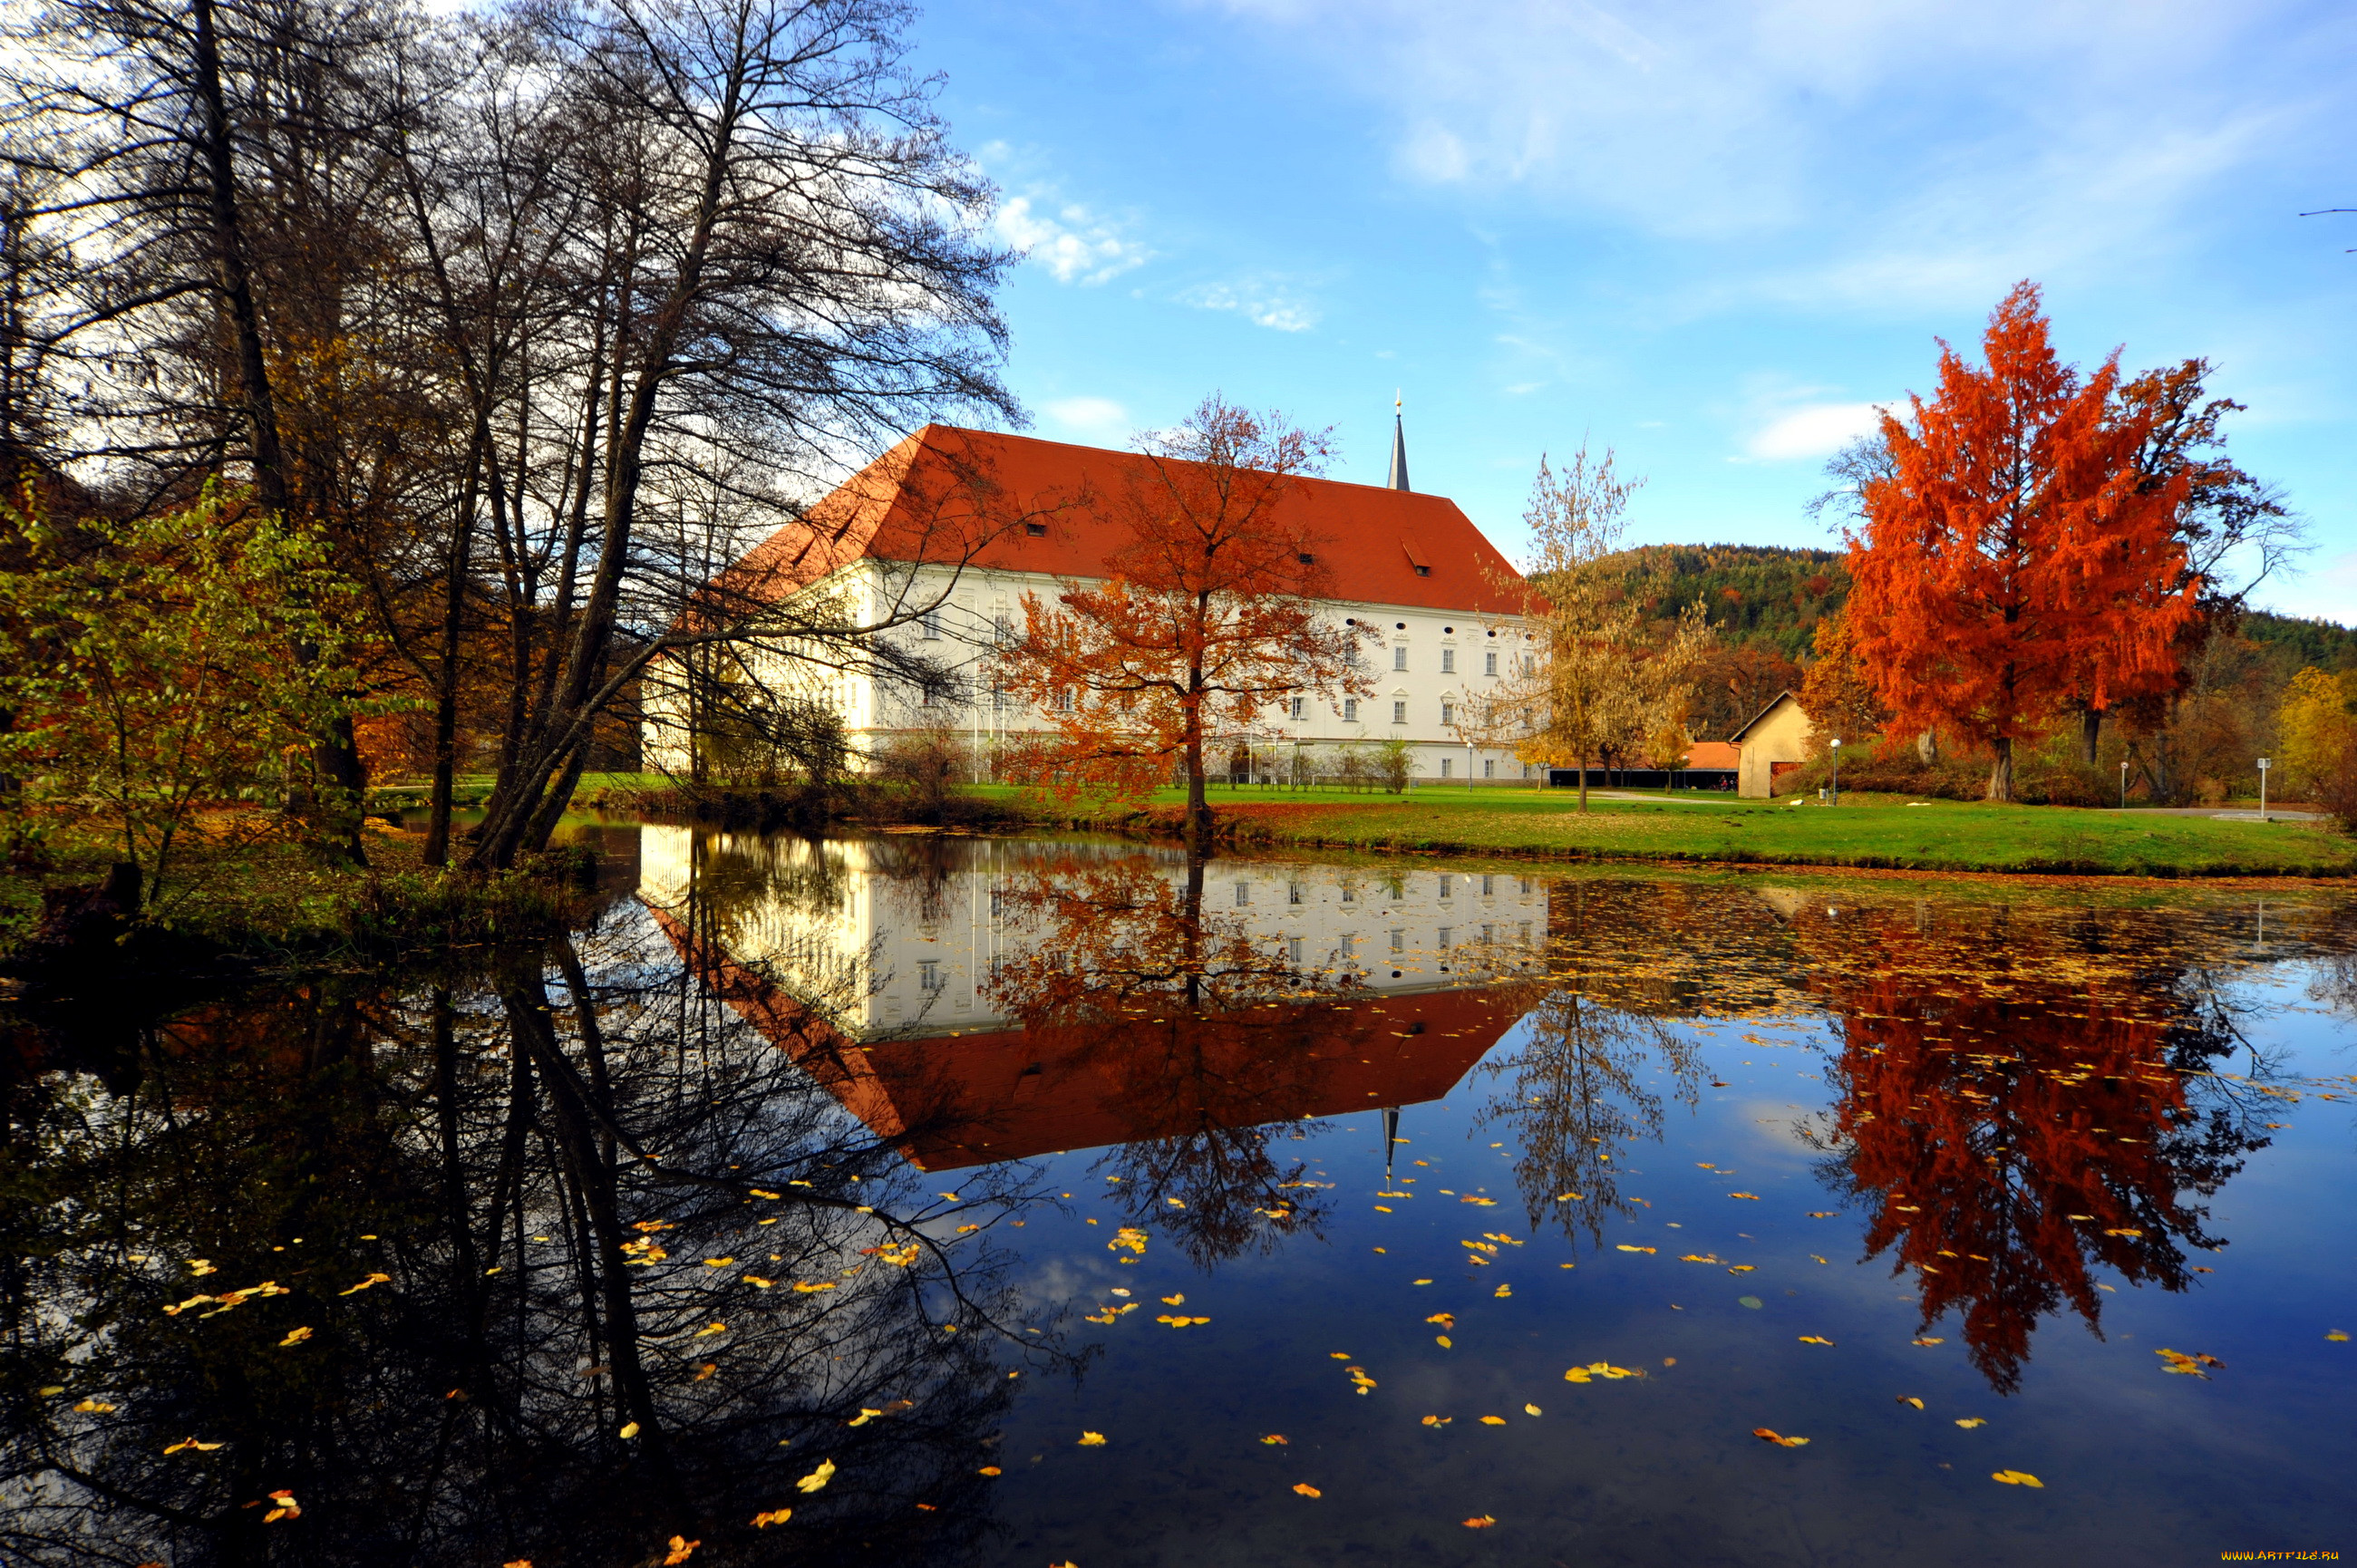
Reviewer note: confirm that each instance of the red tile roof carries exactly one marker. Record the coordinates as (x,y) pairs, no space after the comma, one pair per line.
(947,494)
(1714,754)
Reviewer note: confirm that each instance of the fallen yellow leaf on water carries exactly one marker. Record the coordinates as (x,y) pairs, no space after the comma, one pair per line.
(2123,1231)
(1175,1321)
(709,1329)
(1503,1291)
(629,1430)
(718,1262)
(2017,1478)
(1910,1399)
(1443,1342)
(1092,1440)
(1929,1339)
(1446,1319)
(1816,1339)
(819,1478)
(1816,1259)
(1277,1438)
(988,1470)
(1383,1208)
(1571,1198)
(2179,1361)
(1700,1258)
(1493,1420)
(1128,1235)
(1531,1409)
(1969,1421)
(2337,1334)
(1342,1355)
(1438,1420)
(1360,1379)
(1741,1268)
(1178,1300)
(294,1336)
(776,1516)
(811,1287)
(864,1417)
(193,1443)
(1766,1436)
(1626,1248)
(1752,1196)
(371,1279)
(1823,1213)
(1307,1490)
(682,1548)
(1479,1521)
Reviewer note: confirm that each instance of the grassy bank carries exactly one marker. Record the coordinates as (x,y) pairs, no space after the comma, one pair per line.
(1940,835)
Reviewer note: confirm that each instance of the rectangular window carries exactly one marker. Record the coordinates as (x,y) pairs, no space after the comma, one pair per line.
(1064,701)
(997,697)
(1448,885)
(1399,658)
(1488,885)
(1293,892)
(1446,933)
(1446,762)
(930,626)
(1525,928)
(1449,662)
(1399,713)
(1244,894)
(1489,935)
(1522,885)
(1300,707)
(997,903)
(1002,627)
(1448,712)
(929,976)
(1489,767)
(1399,941)
(1350,710)
(1490,662)
(1349,894)
(1292,952)
(1347,949)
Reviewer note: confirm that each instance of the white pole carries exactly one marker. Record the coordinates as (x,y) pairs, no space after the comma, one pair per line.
(2263,788)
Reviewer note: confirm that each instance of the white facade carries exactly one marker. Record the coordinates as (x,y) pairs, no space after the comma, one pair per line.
(1421,671)
(846,931)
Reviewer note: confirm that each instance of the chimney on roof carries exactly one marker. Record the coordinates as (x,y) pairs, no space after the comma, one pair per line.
(1398,480)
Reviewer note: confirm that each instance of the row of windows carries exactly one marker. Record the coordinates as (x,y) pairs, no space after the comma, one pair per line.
(1396,889)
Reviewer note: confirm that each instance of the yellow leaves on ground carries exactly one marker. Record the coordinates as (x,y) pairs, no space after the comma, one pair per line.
(1493,1420)
(1128,1235)
(294,1336)
(1307,1490)
(1180,1320)
(2189,1365)
(1752,1196)
(94,1407)
(629,1430)
(1479,1521)
(1969,1421)
(817,1479)
(1359,1379)
(1438,1420)
(1446,1319)
(1910,1399)
(193,1443)
(1816,1339)
(1274,1439)
(775,1516)
(1765,1435)
(1178,1300)
(1604,1370)
(1092,1440)
(988,1470)
(371,1279)
(1443,1342)
(1624,1247)
(682,1548)
(2017,1478)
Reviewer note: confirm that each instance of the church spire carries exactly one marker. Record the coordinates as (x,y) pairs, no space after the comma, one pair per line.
(1398,480)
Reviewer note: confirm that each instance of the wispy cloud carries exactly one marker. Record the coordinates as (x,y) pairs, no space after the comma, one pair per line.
(1074,245)
(1261,302)
(1819,430)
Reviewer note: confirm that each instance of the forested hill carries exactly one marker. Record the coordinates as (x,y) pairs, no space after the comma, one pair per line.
(1771,598)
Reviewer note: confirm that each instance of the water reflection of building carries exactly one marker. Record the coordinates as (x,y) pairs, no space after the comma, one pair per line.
(917,979)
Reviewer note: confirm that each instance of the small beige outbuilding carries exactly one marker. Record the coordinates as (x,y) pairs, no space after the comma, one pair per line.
(1775,742)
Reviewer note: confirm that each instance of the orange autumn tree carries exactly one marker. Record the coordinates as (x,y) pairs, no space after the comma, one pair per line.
(2015,552)
(1208,614)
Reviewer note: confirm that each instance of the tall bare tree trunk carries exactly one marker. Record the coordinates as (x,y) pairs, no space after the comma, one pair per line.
(2000,784)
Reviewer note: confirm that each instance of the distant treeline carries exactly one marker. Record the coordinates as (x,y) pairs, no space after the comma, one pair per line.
(1765,601)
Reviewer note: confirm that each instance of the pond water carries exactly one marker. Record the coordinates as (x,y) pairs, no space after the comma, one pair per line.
(934,1200)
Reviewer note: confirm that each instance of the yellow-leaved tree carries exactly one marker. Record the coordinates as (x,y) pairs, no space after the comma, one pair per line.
(2317,730)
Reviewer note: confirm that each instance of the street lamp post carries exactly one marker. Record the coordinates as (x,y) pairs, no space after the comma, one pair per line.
(1836,771)
(2263,786)
(2124,786)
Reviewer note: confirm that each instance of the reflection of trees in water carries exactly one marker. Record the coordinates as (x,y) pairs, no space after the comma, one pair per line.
(2024,1101)
(1205,1032)
(526,1178)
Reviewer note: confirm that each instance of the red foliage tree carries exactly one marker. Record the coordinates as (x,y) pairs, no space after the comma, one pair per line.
(1208,616)
(2017,551)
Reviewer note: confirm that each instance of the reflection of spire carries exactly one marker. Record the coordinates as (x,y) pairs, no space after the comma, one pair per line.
(1391,1138)
(1398,480)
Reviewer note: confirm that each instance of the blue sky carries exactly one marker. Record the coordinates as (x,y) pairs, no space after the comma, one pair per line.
(1707,235)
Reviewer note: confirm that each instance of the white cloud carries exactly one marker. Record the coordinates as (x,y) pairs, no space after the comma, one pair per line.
(1263,304)
(1817,431)
(1075,245)
(1092,415)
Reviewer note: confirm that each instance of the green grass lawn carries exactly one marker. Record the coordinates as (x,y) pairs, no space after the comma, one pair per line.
(1863,831)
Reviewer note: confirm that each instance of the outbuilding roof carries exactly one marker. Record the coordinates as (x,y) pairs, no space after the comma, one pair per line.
(1779,697)
(1015,504)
